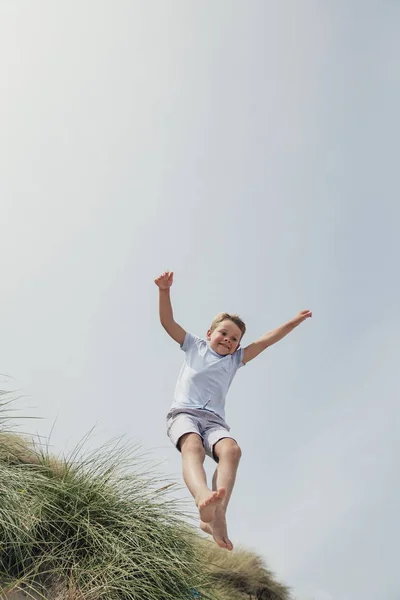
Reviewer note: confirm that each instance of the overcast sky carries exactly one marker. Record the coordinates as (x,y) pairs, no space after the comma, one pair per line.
(253,148)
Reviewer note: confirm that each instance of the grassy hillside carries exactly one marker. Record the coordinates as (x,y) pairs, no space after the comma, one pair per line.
(99,526)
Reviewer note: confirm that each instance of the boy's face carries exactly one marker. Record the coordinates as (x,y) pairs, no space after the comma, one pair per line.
(225,338)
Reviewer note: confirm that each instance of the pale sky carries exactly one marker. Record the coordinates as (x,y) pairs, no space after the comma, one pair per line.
(251,147)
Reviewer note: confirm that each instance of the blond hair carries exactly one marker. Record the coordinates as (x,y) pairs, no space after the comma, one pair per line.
(228,317)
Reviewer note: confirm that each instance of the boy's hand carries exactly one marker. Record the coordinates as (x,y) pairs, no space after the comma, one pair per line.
(302,316)
(165,280)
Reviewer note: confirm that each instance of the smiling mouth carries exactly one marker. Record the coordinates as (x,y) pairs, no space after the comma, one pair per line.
(224,346)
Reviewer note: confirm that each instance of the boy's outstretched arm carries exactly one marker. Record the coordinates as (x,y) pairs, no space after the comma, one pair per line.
(274,336)
(164,283)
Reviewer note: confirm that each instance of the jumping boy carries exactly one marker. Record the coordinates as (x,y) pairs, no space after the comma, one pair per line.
(196,420)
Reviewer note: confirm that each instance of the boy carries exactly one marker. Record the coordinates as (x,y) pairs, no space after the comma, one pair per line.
(196,421)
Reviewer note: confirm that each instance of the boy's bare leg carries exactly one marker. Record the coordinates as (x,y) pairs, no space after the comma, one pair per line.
(228,454)
(193,456)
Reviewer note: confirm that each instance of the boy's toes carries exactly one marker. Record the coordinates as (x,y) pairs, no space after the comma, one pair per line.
(220,533)
(209,500)
(229,545)
(207,506)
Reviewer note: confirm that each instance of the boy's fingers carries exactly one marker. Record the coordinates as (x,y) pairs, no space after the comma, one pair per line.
(166,276)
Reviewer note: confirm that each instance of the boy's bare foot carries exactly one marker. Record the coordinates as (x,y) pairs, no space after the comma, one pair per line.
(206,527)
(208,503)
(218,530)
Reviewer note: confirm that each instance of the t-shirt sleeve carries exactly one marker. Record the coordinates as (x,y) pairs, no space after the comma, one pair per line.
(189,342)
(239,358)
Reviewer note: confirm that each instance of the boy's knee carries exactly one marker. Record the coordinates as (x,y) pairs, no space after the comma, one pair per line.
(191,442)
(228,448)
(236,452)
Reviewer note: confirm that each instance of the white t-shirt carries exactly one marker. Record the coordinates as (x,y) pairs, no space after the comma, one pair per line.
(205,376)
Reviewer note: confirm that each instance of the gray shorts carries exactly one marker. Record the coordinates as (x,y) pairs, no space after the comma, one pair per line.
(209,426)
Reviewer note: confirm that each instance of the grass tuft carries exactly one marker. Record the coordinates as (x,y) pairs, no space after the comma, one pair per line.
(92,525)
(101,526)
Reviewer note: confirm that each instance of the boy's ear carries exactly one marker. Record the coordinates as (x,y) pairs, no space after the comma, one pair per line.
(209,335)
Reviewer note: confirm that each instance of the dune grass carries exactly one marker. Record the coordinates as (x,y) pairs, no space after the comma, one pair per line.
(91,525)
(101,526)
(241,575)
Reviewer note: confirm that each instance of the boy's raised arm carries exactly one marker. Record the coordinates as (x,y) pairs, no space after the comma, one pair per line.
(164,283)
(274,336)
